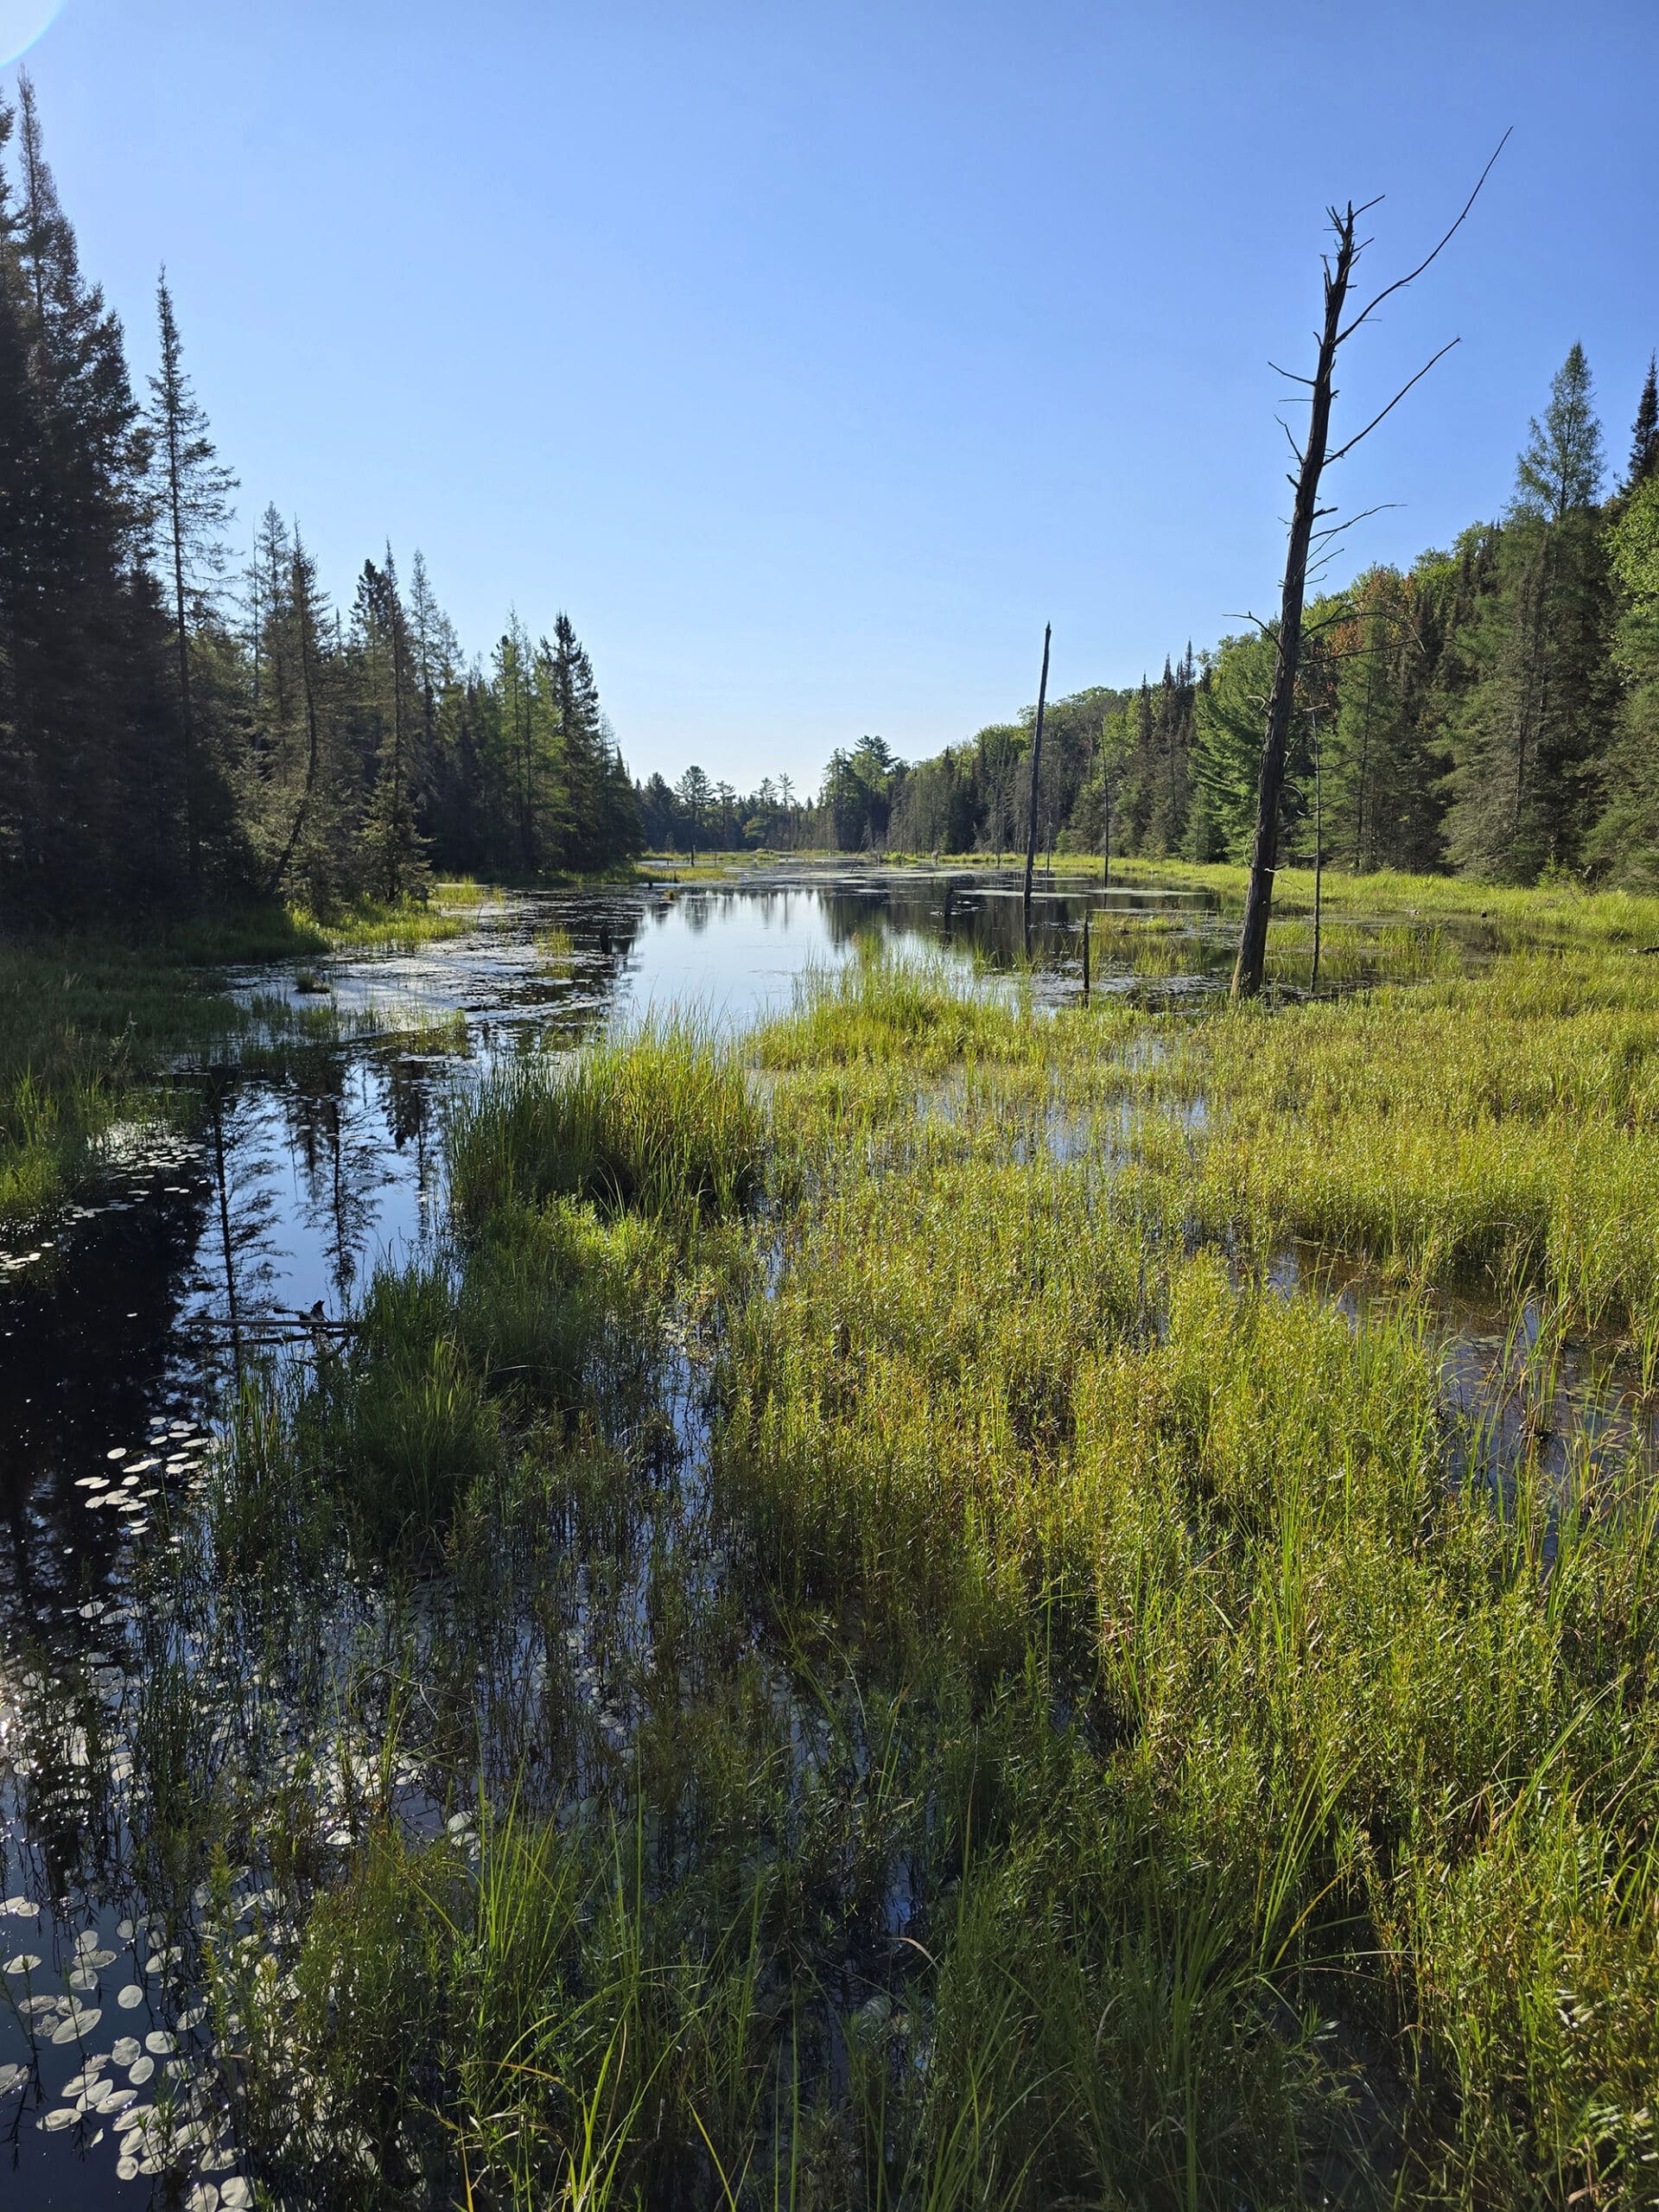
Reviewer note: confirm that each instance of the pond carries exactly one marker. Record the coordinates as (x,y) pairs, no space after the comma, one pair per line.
(124,1332)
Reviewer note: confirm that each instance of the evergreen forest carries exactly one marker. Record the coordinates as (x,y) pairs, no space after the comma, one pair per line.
(1492,710)
(172,731)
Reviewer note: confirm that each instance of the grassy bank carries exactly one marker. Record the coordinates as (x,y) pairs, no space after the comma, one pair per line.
(89,1024)
(855,1649)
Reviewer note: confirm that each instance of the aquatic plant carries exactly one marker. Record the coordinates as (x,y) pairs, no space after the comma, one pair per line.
(661,1120)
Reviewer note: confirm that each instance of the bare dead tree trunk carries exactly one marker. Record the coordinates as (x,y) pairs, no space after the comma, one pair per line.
(1281,699)
(1036,772)
(1319,847)
(1313,458)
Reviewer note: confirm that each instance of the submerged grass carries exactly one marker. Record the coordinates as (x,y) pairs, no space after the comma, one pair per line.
(933,1683)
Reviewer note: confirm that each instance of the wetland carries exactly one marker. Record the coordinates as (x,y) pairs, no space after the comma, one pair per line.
(712,1543)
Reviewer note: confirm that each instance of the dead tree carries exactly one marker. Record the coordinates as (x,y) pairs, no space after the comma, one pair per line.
(1313,456)
(1036,773)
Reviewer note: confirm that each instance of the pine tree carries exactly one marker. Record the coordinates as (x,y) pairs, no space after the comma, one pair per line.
(1560,468)
(1536,724)
(192,490)
(82,622)
(1644,434)
(583,750)
(389,724)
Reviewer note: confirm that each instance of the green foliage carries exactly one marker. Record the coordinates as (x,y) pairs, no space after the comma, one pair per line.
(661,1121)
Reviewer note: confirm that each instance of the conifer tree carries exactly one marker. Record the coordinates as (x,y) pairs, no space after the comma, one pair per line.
(191,493)
(1536,723)
(82,622)
(1644,433)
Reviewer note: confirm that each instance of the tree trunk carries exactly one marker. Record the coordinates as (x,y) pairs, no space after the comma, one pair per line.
(1282,700)
(1036,772)
(1319,849)
(311,747)
(186,721)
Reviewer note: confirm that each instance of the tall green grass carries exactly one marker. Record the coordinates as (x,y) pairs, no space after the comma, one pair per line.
(951,1689)
(661,1120)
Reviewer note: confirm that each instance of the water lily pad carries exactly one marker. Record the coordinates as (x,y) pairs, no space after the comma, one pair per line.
(132,1995)
(25,1963)
(12,2077)
(98,1960)
(140,2071)
(126,2169)
(58,2117)
(83,1980)
(235,2195)
(194,2018)
(124,1929)
(160,2041)
(81,2021)
(25,1907)
(119,1453)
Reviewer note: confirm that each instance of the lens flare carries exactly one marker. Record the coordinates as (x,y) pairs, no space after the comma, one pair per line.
(22,22)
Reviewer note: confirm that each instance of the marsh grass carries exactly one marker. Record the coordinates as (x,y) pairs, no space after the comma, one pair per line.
(90,1028)
(1504,1127)
(951,1689)
(554,948)
(660,1120)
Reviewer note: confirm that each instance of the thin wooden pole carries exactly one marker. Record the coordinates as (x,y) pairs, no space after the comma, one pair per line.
(1319,842)
(1086,920)
(1036,770)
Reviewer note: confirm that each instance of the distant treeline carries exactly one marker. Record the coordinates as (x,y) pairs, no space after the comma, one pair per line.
(1494,708)
(169,732)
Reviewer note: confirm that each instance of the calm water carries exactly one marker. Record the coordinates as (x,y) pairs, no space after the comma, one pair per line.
(120,1332)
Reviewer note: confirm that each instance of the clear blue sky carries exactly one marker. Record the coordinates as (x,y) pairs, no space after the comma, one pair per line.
(813,356)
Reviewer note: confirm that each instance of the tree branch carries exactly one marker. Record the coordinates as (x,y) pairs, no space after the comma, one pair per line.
(1394,402)
(1400,283)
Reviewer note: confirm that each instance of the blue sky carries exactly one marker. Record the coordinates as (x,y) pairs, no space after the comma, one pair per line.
(813,357)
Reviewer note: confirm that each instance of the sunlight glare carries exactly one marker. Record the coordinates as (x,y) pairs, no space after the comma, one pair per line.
(22,22)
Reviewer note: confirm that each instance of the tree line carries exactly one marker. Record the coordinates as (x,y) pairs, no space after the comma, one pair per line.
(170,732)
(1492,709)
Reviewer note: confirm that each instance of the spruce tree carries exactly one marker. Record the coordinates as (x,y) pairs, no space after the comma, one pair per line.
(1644,434)
(1533,729)
(82,622)
(191,494)
(1560,468)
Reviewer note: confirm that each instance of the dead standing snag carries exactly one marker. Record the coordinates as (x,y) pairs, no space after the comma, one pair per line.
(1313,457)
